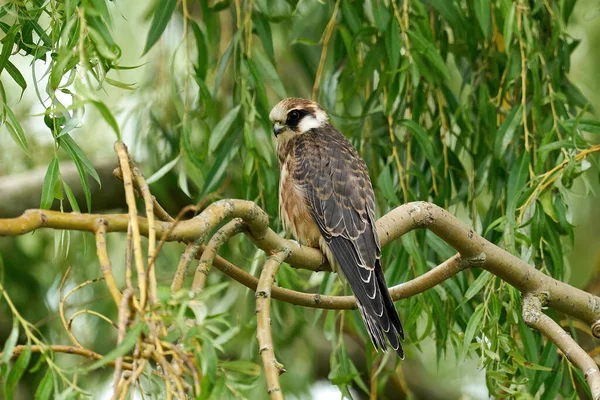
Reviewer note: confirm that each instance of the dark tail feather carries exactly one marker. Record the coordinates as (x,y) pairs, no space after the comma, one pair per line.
(373,328)
(389,322)
(388,303)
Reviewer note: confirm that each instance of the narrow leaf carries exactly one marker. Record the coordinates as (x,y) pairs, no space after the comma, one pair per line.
(17,371)
(241,366)
(83,165)
(123,348)
(16,75)
(71,197)
(44,389)
(476,287)
(425,142)
(506,131)
(15,130)
(71,146)
(163,170)
(50,180)
(108,117)
(220,131)
(10,343)
(7,46)
(588,125)
(162,15)
(482,12)
(473,326)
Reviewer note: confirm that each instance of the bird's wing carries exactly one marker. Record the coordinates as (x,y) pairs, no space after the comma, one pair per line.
(340,198)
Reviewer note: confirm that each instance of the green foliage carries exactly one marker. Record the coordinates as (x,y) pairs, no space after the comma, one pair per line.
(463,103)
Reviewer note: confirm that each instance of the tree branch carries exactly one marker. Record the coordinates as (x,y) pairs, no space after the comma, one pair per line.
(432,278)
(465,240)
(210,251)
(59,348)
(132,218)
(263,326)
(535,318)
(473,251)
(105,266)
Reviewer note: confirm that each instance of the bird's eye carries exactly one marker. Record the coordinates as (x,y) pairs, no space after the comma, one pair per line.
(293,116)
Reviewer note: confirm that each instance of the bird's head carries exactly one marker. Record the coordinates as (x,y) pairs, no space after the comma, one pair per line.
(294,116)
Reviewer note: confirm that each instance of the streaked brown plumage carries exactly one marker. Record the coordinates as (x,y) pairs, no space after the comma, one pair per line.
(326,200)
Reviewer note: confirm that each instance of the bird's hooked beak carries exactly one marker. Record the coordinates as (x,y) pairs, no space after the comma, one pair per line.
(277,128)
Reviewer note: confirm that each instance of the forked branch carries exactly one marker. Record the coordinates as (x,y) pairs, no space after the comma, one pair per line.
(473,251)
(535,318)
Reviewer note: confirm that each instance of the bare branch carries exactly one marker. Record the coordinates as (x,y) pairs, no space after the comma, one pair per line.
(157,209)
(209,253)
(473,251)
(535,318)
(465,240)
(184,262)
(149,203)
(59,348)
(105,266)
(433,277)
(263,329)
(122,326)
(121,151)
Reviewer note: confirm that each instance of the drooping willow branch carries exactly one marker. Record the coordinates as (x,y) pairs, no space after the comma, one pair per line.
(473,251)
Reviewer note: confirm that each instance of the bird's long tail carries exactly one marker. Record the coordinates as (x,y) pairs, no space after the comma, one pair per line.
(388,323)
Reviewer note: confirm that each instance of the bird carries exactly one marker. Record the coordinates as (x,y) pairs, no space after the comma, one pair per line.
(326,200)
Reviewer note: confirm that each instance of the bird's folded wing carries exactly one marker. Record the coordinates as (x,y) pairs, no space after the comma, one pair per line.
(340,198)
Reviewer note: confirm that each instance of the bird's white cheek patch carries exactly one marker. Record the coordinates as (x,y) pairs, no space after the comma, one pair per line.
(308,123)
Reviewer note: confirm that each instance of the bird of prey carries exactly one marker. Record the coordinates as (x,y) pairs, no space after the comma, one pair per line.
(326,200)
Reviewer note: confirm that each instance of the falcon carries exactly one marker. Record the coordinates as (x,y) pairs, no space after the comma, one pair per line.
(326,200)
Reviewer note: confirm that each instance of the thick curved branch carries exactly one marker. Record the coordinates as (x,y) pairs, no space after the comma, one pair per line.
(263,325)
(472,248)
(535,318)
(465,240)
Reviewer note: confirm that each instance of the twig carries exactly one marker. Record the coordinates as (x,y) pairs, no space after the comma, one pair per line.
(534,317)
(149,202)
(326,39)
(263,328)
(59,348)
(182,267)
(432,278)
(122,326)
(550,177)
(90,312)
(123,385)
(520,8)
(229,230)
(184,262)
(62,301)
(105,266)
(159,212)
(133,220)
